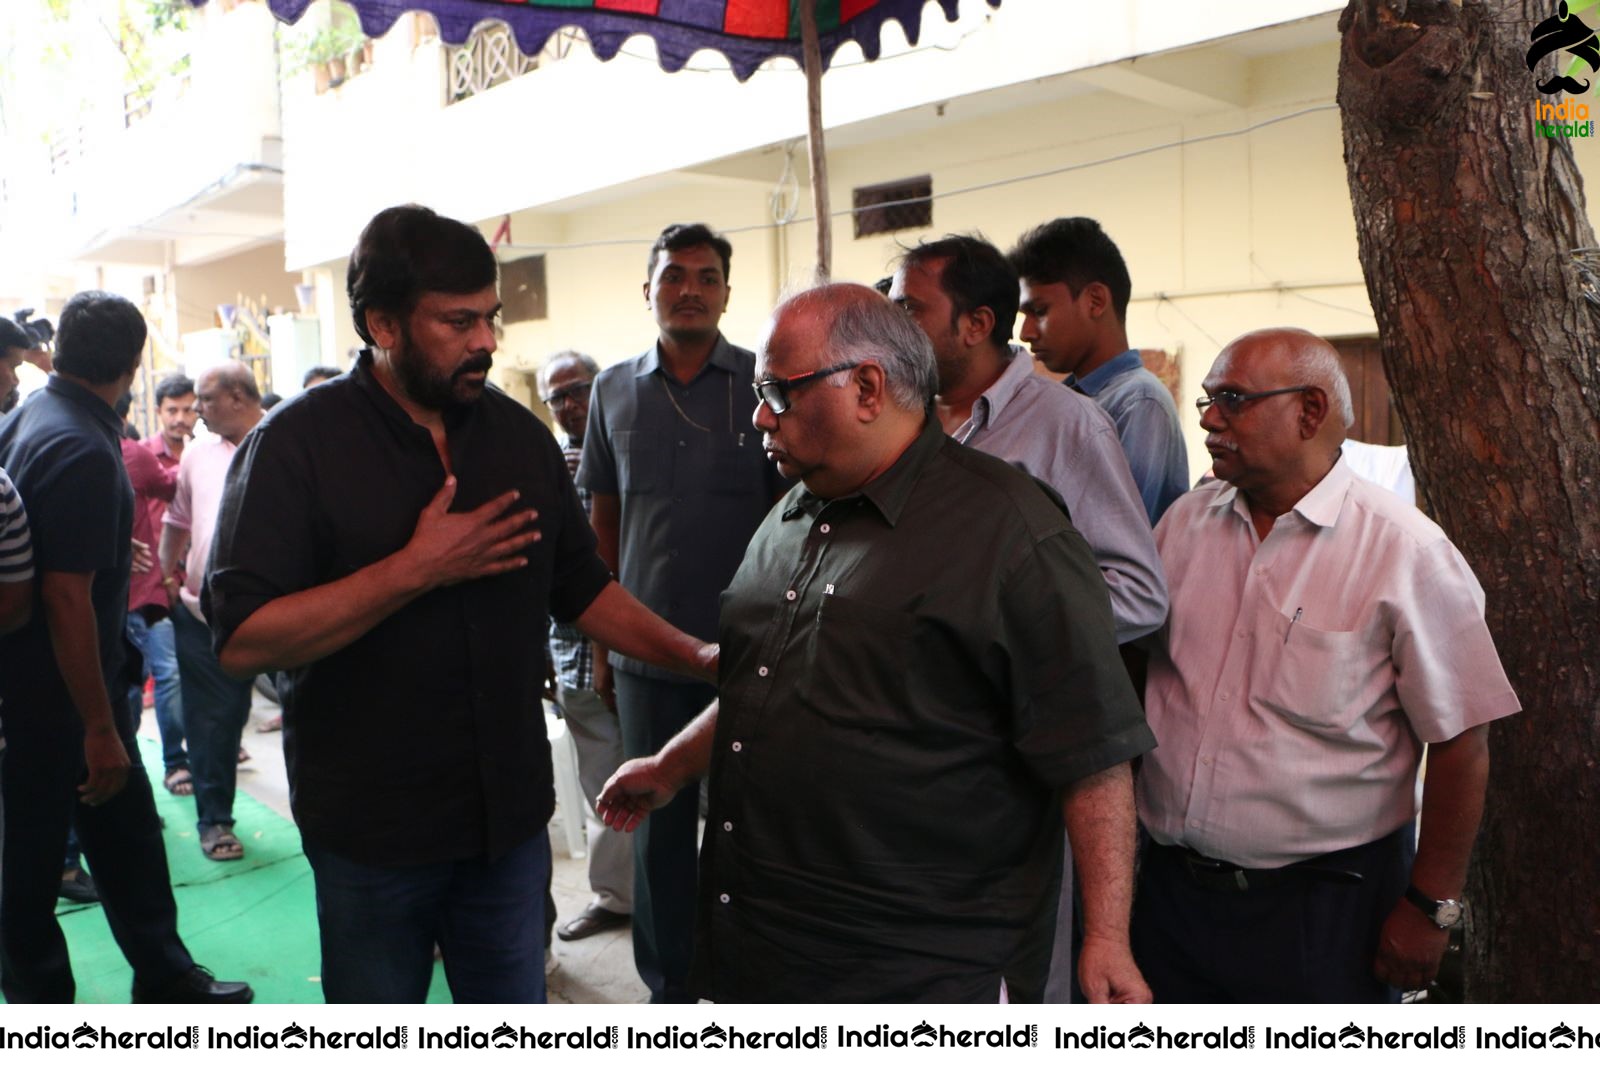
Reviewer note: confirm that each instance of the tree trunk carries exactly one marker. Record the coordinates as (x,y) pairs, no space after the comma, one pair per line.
(1468,224)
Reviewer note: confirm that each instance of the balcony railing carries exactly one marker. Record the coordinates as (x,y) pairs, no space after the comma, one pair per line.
(491,57)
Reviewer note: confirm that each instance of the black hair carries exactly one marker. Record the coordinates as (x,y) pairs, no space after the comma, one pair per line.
(1074,252)
(681,235)
(409,250)
(101,337)
(13,335)
(173,387)
(270,401)
(318,372)
(976,275)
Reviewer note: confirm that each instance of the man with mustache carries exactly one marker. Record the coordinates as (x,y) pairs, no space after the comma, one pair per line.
(396,541)
(1322,632)
(679,485)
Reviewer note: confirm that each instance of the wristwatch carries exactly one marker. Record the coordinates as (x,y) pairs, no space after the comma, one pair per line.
(1445,914)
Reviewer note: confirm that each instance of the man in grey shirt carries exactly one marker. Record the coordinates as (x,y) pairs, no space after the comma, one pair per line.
(679,484)
(1075,291)
(963,294)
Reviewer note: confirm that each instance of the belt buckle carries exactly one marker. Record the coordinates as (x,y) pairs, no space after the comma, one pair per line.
(1215,872)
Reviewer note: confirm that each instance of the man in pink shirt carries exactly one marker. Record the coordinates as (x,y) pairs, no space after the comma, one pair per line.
(216,707)
(1322,632)
(153,470)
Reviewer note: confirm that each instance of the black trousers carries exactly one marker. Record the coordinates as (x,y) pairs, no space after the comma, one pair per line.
(121,839)
(1308,938)
(666,845)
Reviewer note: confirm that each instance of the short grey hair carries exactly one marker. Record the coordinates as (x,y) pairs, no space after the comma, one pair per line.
(1317,363)
(590,367)
(864,327)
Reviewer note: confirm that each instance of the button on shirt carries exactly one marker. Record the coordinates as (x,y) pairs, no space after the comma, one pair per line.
(690,495)
(422,740)
(893,736)
(1067,442)
(1299,676)
(1147,422)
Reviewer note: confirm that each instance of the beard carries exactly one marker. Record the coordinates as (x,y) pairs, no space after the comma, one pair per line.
(432,389)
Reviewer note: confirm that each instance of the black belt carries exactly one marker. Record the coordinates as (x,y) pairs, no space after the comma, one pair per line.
(1224,877)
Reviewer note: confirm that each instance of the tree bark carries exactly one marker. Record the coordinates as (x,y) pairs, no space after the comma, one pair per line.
(1468,223)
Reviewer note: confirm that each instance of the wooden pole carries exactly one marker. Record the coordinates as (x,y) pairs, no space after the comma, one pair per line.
(819,158)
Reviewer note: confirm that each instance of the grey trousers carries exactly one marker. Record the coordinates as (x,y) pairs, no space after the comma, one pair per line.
(597,733)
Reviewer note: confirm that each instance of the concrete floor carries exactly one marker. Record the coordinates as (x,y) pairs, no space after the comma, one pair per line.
(596,970)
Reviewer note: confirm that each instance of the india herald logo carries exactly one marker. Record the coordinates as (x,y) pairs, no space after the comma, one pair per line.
(1565,32)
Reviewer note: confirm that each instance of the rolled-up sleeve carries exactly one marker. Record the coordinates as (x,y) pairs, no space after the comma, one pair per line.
(597,470)
(1076,712)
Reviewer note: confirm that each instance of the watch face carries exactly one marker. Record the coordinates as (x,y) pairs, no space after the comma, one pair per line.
(1448,914)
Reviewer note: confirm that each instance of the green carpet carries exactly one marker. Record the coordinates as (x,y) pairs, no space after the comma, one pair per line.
(253,919)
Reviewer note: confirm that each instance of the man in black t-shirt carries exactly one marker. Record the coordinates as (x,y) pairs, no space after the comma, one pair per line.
(64,682)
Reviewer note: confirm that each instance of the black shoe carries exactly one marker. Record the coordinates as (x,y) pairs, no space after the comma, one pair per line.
(594,920)
(79,888)
(199,986)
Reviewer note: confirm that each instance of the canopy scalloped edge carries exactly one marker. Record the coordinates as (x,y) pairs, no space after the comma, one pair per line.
(608,30)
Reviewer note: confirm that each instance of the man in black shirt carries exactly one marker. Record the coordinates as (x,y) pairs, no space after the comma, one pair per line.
(64,682)
(396,540)
(921,682)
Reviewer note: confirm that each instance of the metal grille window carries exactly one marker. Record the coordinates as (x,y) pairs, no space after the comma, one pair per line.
(489,57)
(906,204)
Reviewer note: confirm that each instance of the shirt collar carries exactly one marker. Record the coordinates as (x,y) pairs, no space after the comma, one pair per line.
(1018,369)
(1320,506)
(721,357)
(1101,376)
(889,491)
(80,395)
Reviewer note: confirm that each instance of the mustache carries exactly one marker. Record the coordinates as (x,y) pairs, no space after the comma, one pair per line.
(688,305)
(1217,442)
(475,364)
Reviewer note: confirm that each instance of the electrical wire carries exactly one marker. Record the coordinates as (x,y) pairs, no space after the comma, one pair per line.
(998,183)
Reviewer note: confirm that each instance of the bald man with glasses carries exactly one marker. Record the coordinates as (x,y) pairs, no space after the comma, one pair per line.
(1322,633)
(920,683)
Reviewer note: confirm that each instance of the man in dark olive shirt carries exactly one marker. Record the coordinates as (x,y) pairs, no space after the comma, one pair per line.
(64,682)
(921,682)
(397,540)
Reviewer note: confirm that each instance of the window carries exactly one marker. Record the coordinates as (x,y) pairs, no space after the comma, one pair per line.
(906,204)
(523,295)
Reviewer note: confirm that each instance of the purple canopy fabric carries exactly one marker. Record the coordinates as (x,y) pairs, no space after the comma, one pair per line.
(747,32)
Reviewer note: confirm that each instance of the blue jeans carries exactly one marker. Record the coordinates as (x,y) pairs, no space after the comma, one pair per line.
(159,649)
(215,709)
(379,926)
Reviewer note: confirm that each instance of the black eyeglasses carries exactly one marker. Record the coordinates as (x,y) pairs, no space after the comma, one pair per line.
(774,392)
(575,391)
(1230,402)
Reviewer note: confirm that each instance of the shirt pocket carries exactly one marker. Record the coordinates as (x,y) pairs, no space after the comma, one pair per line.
(1314,678)
(642,461)
(857,658)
